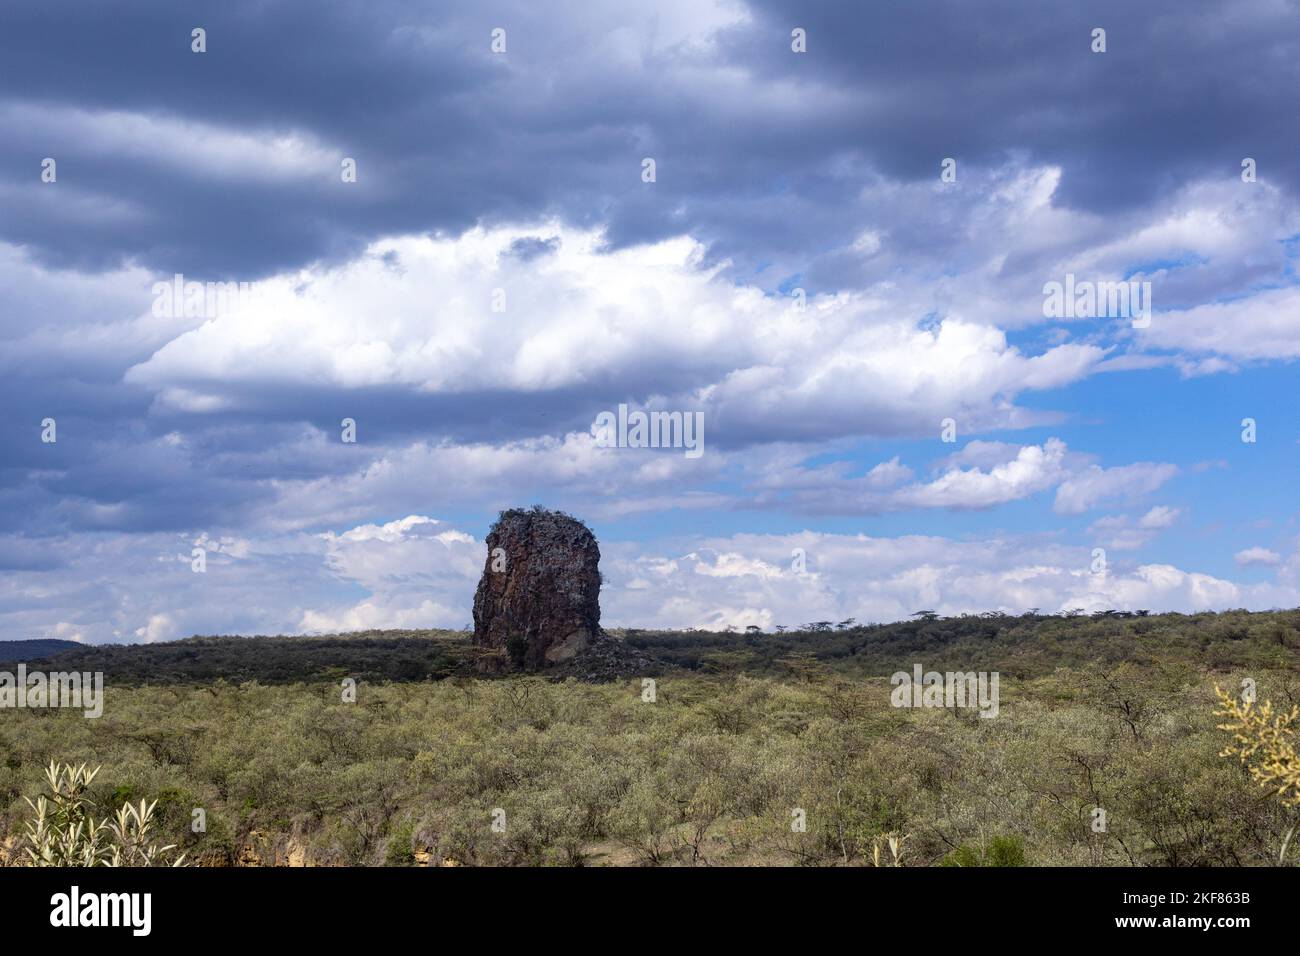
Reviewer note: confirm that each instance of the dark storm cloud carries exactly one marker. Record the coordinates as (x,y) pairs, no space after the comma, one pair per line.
(446,134)
(1184,89)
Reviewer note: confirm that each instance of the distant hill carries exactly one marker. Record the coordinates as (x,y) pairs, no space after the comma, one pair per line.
(15,651)
(365,655)
(1019,646)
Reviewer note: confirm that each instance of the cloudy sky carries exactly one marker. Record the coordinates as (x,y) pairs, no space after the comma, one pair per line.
(838,258)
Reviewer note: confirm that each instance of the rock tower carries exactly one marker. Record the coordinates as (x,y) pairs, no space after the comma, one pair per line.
(538,602)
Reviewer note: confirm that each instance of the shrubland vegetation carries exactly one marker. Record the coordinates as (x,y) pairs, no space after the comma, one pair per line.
(747,734)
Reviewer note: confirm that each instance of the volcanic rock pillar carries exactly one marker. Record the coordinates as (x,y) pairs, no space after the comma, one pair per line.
(538,601)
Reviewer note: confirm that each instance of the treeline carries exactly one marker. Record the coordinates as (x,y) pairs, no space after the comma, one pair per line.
(1019,646)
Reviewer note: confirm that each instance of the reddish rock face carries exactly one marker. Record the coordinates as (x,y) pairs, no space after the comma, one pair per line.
(538,601)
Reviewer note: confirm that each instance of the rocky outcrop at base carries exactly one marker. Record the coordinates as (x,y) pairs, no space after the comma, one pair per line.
(606,659)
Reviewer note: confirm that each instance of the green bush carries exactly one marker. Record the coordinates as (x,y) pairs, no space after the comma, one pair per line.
(1001,851)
